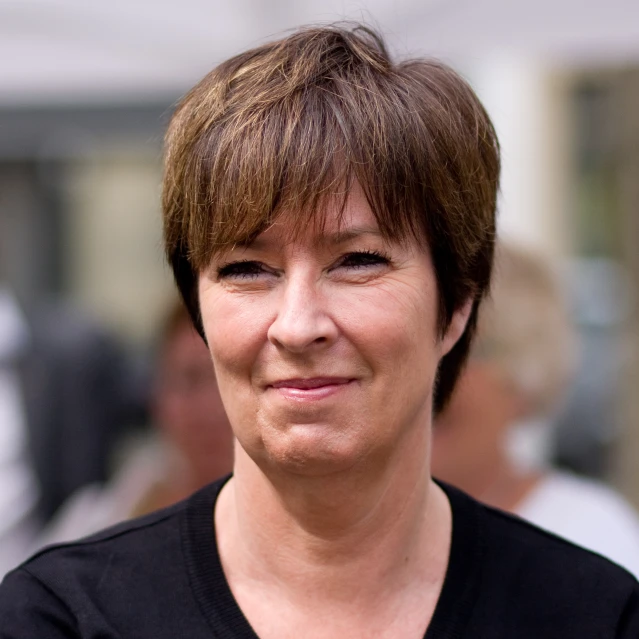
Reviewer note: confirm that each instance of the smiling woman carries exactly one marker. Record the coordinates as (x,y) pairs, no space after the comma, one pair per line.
(329,216)
(339,345)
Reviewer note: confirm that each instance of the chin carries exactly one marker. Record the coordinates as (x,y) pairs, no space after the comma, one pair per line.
(306,450)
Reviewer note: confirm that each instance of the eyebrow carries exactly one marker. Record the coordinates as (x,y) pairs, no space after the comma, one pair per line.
(336,238)
(343,236)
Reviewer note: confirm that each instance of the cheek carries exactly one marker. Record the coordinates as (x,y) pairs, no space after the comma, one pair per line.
(395,333)
(236,332)
(235,329)
(396,324)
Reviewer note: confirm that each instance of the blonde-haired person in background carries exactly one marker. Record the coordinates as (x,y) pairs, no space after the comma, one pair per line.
(519,370)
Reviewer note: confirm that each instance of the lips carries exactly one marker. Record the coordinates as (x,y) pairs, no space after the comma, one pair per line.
(311,383)
(310,389)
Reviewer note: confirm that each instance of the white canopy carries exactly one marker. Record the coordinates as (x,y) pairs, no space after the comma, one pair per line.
(112,50)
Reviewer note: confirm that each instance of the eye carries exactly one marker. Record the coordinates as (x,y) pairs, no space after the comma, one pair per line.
(362,259)
(243,270)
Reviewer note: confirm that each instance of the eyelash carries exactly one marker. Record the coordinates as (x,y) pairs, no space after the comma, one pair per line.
(250,269)
(362,259)
(243,269)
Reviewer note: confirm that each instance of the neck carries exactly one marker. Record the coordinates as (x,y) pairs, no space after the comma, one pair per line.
(334,535)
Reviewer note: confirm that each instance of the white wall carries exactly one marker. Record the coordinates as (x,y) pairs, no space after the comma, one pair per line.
(528,105)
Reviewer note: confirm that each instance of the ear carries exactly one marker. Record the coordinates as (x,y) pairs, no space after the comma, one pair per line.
(457,326)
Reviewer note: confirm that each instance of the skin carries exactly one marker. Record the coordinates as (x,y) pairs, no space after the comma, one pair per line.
(325,349)
(469,435)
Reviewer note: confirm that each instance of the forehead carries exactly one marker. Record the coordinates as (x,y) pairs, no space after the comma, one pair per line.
(337,222)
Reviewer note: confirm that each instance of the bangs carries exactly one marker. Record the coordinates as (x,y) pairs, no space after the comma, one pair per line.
(273,145)
(291,158)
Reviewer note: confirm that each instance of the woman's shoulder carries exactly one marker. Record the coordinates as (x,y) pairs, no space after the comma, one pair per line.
(525,573)
(131,543)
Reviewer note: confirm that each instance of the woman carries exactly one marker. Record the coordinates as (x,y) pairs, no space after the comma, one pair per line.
(520,366)
(329,217)
(191,446)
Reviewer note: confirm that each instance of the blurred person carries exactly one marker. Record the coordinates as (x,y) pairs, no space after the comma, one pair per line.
(520,368)
(61,408)
(191,444)
(329,215)
(189,414)
(19,493)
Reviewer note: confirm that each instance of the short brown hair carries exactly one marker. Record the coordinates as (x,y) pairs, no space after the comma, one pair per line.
(288,125)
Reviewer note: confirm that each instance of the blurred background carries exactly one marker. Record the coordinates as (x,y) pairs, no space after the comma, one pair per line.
(86,90)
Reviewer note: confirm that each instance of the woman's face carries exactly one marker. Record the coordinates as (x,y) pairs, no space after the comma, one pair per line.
(187,406)
(325,347)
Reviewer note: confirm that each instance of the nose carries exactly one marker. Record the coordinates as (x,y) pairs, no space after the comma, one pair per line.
(303,320)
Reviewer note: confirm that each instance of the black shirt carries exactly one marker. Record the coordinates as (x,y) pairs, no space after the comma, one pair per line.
(160,577)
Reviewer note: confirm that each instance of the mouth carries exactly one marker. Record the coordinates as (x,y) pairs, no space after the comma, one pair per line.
(312,388)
